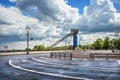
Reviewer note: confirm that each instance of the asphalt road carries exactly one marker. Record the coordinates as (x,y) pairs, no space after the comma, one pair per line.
(43,68)
(9,73)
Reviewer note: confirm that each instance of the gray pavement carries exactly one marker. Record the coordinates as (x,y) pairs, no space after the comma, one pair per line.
(56,69)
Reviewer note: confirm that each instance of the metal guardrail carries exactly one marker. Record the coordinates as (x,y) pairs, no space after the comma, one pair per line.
(116,51)
(61,55)
(92,55)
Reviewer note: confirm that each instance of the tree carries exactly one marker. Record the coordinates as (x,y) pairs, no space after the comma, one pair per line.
(98,44)
(112,46)
(107,43)
(35,47)
(49,48)
(117,43)
(28,49)
(39,47)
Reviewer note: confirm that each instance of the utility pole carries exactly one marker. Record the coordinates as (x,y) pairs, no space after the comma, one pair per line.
(27,28)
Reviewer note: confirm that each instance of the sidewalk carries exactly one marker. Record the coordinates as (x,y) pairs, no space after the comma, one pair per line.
(31,52)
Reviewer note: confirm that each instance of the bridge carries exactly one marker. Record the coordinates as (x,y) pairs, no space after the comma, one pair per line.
(73,33)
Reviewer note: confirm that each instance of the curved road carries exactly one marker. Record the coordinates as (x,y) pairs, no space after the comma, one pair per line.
(40,67)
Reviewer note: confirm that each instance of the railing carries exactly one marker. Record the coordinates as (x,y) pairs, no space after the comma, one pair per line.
(61,55)
(116,51)
(92,55)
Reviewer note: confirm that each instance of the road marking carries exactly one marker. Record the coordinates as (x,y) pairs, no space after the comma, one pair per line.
(38,72)
(118,61)
(71,66)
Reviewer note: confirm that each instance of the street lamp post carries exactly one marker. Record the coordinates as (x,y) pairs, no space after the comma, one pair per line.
(65,46)
(68,45)
(27,28)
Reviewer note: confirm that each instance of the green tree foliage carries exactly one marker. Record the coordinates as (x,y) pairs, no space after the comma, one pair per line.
(117,43)
(112,46)
(35,48)
(49,48)
(42,48)
(98,44)
(107,43)
(103,44)
(60,48)
(39,48)
(28,49)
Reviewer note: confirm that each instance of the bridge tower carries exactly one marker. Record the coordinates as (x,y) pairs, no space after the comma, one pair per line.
(74,32)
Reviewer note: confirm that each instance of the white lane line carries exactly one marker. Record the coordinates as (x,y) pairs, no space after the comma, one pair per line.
(118,61)
(56,75)
(72,66)
(55,58)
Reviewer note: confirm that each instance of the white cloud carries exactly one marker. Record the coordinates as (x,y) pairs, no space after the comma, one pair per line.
(12,0)
(56,13)
(17,23)
(97,15)
(50,19)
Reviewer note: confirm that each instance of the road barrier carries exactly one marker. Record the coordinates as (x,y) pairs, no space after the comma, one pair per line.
(93,55)
(61,55)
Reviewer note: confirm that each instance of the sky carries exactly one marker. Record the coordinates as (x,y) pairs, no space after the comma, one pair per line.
(50,20)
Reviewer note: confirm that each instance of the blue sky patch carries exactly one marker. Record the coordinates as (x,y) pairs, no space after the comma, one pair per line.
(80,4)
(7,3)
(117,6)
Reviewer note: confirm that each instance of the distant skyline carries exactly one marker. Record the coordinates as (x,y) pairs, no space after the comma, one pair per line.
(50,20)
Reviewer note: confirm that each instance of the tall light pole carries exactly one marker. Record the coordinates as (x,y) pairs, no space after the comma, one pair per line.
(27,28)
(65,45)
(68,45)
(79,38)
